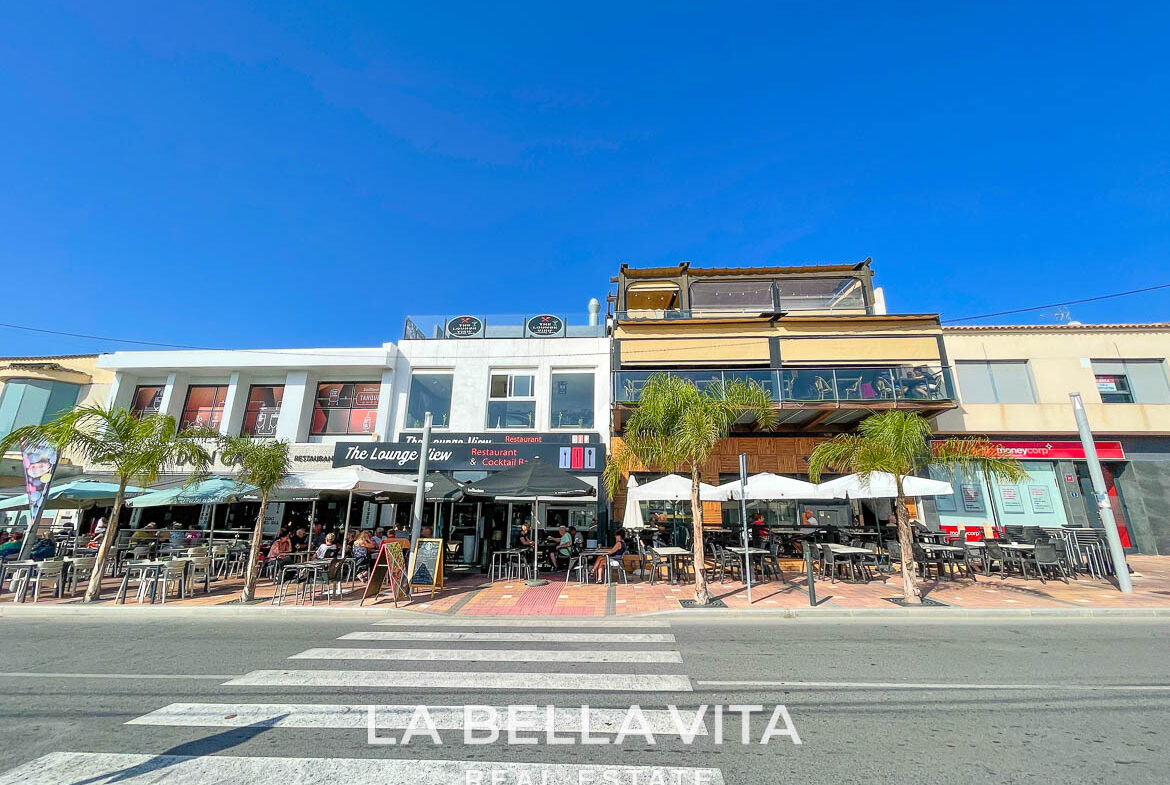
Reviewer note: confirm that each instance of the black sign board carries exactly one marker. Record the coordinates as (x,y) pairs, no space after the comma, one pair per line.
(426,564)
(404,457)
(465,327)
(504,438)
(546,326)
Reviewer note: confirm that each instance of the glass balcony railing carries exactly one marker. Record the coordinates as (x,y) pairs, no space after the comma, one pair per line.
(477,325)
(909,384)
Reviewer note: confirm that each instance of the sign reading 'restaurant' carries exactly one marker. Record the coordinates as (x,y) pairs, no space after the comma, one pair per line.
(497,437)
(404,456)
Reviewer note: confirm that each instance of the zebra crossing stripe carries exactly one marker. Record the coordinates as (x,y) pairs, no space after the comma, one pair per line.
(465,680)
(68,768)
(512,637)
(585,623)
(490,655)
(388,717)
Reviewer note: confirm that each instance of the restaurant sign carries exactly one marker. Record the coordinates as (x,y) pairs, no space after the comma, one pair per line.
(546,326)
(1057,450)
(465,327)
(497,437)
(404,456)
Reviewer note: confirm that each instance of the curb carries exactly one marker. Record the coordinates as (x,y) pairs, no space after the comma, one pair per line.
(131,612)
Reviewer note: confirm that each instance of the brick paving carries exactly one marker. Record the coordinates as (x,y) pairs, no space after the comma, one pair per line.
(471,594)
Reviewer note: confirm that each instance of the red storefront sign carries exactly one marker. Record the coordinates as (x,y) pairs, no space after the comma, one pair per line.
(1058,450)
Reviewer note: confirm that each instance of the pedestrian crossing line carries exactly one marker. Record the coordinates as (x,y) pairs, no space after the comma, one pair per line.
(328,716)
(490,655)
(67,768)
(465,680)
(649,624)
(512,637)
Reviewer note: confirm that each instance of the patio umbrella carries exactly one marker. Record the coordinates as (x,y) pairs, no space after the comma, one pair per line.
(216,490)
(535,478)
(632,519)
(74,495)
(882,485)
(353,479)
(767,486)
(672,488)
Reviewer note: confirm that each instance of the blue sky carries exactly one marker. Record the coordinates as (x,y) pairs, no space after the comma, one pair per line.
(258,175)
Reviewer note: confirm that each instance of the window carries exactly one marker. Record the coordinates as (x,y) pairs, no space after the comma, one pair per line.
(512,401)
(345,408)
(821,294)
(571,400)
(1131,381)
(429,392)
(34,402)
(999,381)
(735,296)
(263,409)
(147,399)
(652,296)
(204,406)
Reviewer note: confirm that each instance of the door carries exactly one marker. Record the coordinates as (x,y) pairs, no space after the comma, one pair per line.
(1115,502)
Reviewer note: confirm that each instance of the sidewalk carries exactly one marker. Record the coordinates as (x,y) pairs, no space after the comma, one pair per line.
(470,595)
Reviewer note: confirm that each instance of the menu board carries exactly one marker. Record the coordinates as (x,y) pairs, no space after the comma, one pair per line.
(389,569)
(1041,498)
(1009,496)
(426,564)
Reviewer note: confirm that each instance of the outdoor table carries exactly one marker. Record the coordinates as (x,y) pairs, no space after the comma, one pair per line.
(932,537)
(144,567)
(15,566)
(750,554)
(926,546)
(1018,546)
(673,553)
(847,550)
(300,572)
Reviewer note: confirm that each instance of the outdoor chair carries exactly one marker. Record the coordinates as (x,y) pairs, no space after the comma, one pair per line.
(288,582)
(80,571)
(925,561)
(320,583)
(833,564)
(612,564)
(173,575)
(656,564)
(724,562)
(771,562)
(200,571)
(866,561)
(219,559)
(894,549)
(1031,533)
(993,553)
(49,571)
(1045,555)
(1093,553)
(823,388)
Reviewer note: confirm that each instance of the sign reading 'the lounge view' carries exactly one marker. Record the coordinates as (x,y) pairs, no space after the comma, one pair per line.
(585,458)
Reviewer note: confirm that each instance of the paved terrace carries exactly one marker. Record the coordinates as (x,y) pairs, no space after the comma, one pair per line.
(469,594)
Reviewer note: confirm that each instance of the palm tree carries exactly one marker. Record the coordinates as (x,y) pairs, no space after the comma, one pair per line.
(262,463)
(135,448)
(899,443)
(677,426)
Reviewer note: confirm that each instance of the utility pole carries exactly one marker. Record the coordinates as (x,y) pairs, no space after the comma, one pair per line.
(421,490)
(1116,551)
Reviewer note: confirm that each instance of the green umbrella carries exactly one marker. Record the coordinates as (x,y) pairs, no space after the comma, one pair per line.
(74,495)
(216,490)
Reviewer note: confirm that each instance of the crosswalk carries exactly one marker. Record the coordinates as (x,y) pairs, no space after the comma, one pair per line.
(437,661)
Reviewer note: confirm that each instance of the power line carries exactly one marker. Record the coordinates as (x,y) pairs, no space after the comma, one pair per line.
(1056,305)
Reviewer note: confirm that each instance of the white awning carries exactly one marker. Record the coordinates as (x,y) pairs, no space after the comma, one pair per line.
(880,485)
(768,486)
(358,479)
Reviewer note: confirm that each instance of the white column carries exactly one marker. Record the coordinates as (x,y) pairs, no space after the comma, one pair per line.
(295,407)
(234,405)
(121,389)
(385,427)
(174,395)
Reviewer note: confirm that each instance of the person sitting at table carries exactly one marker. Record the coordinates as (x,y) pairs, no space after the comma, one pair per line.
(364,550)
(427,533)
(563,550)
(525,538)
(327,549)
(759,528)
(300,539)
(11,548)
(178,537)
(278,553)
(578,539)
(147,532)
(612,557)
(379,536)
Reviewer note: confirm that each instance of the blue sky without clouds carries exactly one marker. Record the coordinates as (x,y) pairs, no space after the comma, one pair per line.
(259,175)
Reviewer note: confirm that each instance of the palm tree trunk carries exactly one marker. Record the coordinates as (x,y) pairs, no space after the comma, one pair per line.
(910,594)
(94,590)
(702,595)
(252,571)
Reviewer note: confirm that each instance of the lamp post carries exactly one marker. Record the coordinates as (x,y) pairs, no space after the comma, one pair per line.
(420,491)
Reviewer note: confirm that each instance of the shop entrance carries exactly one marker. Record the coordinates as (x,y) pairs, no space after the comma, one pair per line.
(1115,501)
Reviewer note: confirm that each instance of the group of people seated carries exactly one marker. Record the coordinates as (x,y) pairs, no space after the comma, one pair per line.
(362,546)
(560,548)
(43,546)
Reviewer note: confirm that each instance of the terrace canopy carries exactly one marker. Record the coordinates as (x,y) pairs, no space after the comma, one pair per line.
(881,485)
(74,495)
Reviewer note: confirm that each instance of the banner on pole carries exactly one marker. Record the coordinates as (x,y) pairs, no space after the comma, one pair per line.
(40,461)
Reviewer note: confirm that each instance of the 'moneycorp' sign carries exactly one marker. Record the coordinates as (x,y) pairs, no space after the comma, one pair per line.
(583,458)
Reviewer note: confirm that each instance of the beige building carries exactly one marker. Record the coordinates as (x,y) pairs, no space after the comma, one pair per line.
(34,390)
(1013,385)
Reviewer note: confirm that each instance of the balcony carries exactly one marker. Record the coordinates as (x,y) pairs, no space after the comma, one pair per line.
(472,326)
(786,306)
(820,396)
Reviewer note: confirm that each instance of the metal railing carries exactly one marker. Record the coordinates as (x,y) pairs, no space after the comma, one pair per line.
(840,385)
(470,326)
(786,306)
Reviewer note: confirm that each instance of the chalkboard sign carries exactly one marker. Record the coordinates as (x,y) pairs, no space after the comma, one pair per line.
(426,564)
(389,570)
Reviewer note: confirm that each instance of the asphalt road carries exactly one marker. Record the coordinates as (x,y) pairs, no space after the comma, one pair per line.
(1050,701)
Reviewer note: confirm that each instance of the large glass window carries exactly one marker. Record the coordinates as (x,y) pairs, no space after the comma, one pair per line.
(999,381)
(147,399)
(1131,381)
(571,400)
(512,400)
(263,409)
(344,408)
(429,392)
(731,295)
(821,294)
(34,402)
(204,406)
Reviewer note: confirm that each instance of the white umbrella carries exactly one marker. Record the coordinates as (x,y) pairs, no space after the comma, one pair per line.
(355,479)
(882,485)
(673,488)
(633,515)
(766,486)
